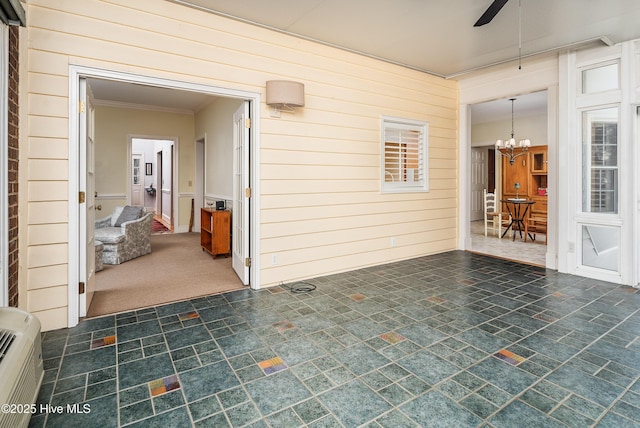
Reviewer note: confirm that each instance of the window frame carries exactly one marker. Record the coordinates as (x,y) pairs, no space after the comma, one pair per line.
(588,168)
(582,74)
(390,123)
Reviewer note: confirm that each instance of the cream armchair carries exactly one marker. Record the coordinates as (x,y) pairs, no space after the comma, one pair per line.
(125,234)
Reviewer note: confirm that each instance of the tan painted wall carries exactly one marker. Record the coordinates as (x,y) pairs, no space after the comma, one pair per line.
(216,122)
(113,127)
(531,127)
(321,209)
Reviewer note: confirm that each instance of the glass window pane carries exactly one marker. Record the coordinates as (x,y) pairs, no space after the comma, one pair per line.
(600,161)
(600,247)
(600,79)
(404,156)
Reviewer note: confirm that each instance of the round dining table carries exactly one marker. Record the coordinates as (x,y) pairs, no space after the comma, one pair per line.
(517,208)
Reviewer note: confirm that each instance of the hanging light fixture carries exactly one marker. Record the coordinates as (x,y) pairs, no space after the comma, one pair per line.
(509,145)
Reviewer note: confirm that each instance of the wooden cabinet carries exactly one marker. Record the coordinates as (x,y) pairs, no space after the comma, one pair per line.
(538,160)
(539,209)
(538,163)
(215,231)
(530,171)
(518,173)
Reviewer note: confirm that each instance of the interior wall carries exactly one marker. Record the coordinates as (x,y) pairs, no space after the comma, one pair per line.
(114,126)
(531,127)
(485,134)
(216,122)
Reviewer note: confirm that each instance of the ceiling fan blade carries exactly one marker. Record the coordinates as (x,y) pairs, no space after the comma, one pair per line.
(490,13)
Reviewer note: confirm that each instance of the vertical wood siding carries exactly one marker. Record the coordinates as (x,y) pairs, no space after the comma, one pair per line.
(321,207)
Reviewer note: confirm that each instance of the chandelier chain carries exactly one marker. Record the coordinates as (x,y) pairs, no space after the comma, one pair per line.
(509,145)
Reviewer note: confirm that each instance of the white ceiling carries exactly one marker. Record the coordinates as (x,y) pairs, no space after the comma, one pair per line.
(532,104)
(438,36)
(433,36)
(108,92)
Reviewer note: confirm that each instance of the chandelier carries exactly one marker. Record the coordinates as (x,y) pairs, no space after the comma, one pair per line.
(509,145)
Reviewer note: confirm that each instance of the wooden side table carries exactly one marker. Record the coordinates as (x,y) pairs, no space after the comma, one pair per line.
(215,231)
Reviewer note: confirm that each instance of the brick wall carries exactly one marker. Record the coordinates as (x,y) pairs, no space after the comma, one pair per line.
(12,172)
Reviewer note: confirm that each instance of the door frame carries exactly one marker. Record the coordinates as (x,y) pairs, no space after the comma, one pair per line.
(174,170)
(254,98)
(199,180)
(158,176)
(635,185)
(492,92)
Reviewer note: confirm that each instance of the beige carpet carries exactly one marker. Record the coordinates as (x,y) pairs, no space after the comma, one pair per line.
(177,269)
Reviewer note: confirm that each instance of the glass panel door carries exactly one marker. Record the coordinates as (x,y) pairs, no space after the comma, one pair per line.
(136,170)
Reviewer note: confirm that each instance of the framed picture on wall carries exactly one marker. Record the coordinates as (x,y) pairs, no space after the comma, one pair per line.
(149,168)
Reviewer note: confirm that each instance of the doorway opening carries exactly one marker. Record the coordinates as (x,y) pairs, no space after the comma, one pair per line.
(183,191)
(152,178)
(524,179)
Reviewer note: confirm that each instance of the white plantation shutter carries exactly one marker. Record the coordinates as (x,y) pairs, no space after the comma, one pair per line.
(404,155)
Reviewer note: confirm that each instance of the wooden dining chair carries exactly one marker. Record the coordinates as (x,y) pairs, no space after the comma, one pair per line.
(493,214)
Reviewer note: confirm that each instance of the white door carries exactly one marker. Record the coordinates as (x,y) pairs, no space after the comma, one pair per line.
(159,183)
(86,213)
(198,191)
(478,182)
(167,184)
(137,191)
(241,193)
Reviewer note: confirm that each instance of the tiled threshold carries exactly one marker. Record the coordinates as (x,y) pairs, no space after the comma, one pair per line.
(518,250)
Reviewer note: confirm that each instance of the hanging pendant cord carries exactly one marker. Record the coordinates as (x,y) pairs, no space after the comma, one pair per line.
(519,34)
(512,100)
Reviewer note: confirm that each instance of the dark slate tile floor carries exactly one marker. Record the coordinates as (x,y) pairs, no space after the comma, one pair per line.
(455,339)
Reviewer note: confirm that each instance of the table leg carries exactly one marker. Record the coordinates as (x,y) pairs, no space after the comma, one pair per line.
(510,226)
(517,219)
(521,219)
(524,217)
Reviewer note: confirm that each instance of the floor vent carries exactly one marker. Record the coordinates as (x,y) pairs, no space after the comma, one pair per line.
(21,367)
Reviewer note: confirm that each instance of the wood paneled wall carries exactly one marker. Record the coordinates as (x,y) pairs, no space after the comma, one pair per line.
(321,207)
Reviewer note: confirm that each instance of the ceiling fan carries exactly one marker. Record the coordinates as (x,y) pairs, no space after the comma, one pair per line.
(490,13)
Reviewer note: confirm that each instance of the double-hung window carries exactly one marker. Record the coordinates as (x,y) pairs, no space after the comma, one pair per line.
(404,155)
(600,161)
